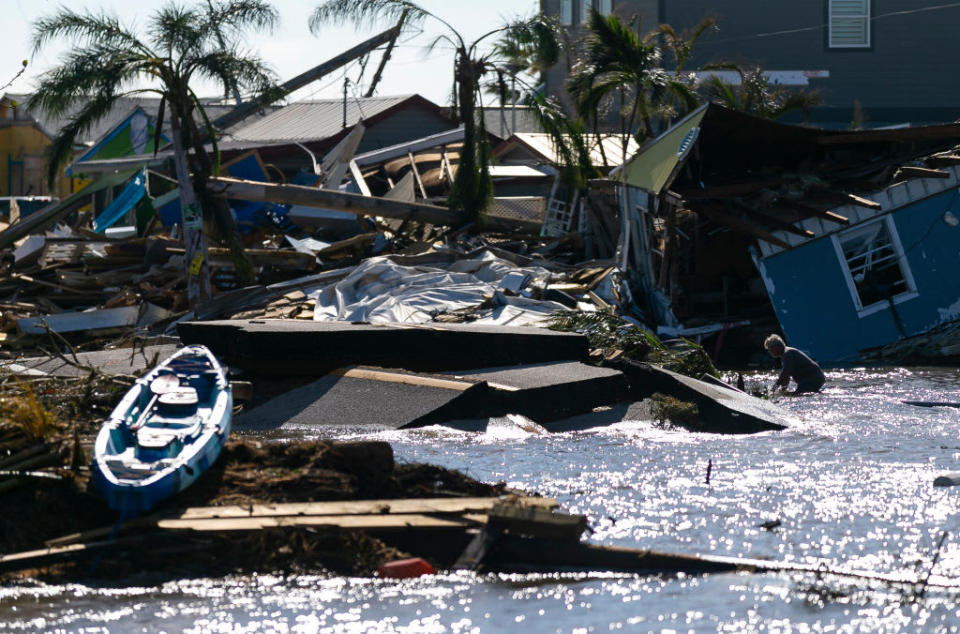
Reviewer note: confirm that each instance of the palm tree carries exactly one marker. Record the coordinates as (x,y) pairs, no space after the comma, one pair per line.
(106,60)
(472,187)
(755,95)
(620,64)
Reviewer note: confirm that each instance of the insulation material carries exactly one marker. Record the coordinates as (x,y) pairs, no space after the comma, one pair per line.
(382,291)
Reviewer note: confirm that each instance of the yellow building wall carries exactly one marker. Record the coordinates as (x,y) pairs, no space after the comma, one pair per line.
(23,141)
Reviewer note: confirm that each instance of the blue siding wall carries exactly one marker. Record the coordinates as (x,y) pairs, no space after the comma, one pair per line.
(810,295)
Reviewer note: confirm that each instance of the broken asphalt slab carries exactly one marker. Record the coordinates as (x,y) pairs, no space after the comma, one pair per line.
(364,400)
(317,347)
(548,391)
(722,409)
(370,399)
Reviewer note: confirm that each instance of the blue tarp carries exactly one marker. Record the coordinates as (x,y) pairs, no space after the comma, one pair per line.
(123,203)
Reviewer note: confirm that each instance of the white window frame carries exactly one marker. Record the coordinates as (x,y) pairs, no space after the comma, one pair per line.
(833,18)
(911,288)
(566,12)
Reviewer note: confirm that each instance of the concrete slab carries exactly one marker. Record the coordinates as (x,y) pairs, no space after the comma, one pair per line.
(313,347)
(548,391)
(116,361)
(723,410)
(366,399)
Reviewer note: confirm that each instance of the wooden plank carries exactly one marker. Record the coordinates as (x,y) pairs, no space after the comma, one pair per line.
(722,217)
(244,110)
(335,200)
(943,160)
(911,171)
(416,174)
(44,556)
(537,522)
(400,377)
(360,507)
(280,258)
(862,202)
(389,521)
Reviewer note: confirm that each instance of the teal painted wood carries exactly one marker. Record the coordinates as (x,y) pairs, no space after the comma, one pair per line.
(154,446)
(815,306)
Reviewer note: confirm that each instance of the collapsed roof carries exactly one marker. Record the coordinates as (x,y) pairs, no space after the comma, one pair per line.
(763,178)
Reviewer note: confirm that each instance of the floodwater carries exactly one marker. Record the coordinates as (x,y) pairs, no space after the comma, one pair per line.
(851,485)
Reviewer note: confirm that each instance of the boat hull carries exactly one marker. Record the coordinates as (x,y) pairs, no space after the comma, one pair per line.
(153,447)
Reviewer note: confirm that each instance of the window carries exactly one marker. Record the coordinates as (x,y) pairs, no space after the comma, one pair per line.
(566,12)
(875,266)
(586,6)
(605,7)
(849,23)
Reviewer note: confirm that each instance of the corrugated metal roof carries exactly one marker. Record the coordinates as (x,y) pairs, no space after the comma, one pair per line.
(314,120)
(542,144)
(120,111)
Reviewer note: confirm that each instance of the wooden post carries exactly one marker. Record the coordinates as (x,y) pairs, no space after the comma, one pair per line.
(198,270)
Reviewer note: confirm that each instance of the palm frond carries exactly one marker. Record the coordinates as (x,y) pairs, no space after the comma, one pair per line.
(239,15)
(82,73)
(62,148)
(228,68)
(716,89)
(101,29)
(531,43)
(177,30)
(363,13)
(569,141)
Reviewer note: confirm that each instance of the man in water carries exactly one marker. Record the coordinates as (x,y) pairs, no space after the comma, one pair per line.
(796,366)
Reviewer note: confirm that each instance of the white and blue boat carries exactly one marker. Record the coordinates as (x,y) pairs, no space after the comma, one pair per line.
(167,430)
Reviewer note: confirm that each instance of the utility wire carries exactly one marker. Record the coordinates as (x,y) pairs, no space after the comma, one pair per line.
(819,27)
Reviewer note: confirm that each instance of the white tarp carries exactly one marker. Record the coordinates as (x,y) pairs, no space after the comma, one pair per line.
(381,291)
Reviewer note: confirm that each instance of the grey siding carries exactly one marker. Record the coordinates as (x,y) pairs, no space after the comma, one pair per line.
(407,125)
(906,74)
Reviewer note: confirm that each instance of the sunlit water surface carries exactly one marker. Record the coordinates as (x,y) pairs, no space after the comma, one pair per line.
(851,484)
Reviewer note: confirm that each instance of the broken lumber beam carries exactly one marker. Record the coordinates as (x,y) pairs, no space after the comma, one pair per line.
(335,200)
(911,171)
(402,506)
(721,216)
(536,522)
(247,108)
(387,522)
(813,210)
(943,160)
(44,556)
(860,201)
(279,258)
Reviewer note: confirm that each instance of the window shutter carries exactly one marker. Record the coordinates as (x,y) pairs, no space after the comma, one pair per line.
(849,23)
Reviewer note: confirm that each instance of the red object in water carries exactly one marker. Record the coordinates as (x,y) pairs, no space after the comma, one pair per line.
(405,569)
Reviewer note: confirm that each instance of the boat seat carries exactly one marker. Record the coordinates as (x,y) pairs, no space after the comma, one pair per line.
(182,398)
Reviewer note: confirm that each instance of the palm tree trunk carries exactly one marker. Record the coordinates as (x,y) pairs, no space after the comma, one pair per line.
(198,270)
(225,227)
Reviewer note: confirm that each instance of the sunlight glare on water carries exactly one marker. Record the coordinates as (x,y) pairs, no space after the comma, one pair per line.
(850,483)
